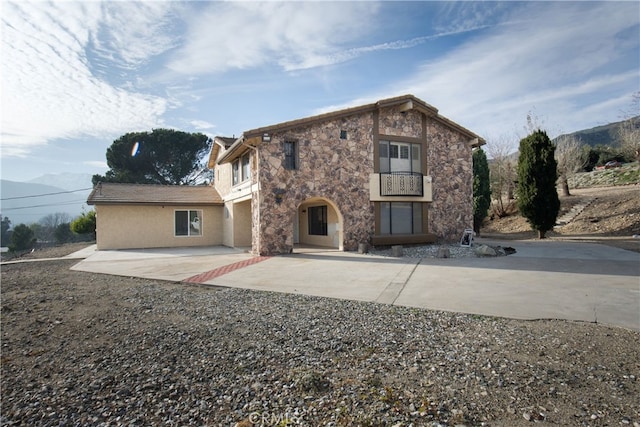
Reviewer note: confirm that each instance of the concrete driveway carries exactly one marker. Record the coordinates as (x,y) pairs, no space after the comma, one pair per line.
(543,280)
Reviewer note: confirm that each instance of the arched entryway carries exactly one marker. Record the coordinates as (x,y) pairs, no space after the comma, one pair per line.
(319,223)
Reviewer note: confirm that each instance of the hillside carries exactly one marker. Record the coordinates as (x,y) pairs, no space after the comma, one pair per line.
(21,207)
(598,211)
(600,135)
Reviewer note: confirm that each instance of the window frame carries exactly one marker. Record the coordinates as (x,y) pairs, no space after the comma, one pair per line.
(197,214)
(290,150)
(389,150)
(417,226)
(241,169)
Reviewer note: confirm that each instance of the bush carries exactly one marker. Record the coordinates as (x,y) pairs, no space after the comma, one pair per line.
(85,224)
(22,238)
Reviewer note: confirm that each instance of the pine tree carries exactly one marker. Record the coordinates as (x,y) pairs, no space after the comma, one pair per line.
(536,192)
(481,189)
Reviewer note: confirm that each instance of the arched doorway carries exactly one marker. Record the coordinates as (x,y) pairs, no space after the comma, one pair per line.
(319,223)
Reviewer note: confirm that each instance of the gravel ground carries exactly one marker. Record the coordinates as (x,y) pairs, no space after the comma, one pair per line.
(88,349)
(428,251)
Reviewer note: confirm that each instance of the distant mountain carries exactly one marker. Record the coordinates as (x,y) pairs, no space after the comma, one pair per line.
(67,181)
(26,203)
(600,135)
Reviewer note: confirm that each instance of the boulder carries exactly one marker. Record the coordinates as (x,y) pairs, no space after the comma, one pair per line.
(484,250)
(443,253)
(397,251)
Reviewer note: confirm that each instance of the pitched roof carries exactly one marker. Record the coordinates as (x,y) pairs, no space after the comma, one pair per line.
(116,194)
(408,102)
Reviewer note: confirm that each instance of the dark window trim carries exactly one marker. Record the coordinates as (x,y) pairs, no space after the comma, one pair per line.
(290,149)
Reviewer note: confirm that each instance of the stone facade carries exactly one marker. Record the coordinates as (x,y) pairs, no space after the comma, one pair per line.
(336,156)
(329,168)
(451,170)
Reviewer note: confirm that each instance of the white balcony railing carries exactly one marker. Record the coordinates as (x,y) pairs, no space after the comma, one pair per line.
(401,184)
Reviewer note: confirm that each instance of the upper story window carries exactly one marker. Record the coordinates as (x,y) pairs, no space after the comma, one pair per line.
(241,169)
(399,157)
(290,155)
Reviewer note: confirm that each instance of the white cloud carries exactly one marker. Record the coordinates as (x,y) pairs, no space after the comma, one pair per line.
(559,58)
(49,88)
(202,124)
(293,35)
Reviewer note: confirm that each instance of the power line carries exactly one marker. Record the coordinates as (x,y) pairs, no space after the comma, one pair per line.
(43,206)
(47,194)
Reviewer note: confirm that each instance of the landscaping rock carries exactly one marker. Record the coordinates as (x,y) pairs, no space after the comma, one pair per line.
(485,250)
(443,253)
(396,251)
(94,349)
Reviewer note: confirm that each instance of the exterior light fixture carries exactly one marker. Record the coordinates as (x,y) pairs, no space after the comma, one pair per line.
(266,137)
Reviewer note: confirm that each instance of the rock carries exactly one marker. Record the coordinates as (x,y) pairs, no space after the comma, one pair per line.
(509,250)
(363,248)
(443,253)
(396,251)
(484,250)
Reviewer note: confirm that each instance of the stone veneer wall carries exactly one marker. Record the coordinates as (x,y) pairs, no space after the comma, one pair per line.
(393,122)
(338,170)
(451,169)
(329,167)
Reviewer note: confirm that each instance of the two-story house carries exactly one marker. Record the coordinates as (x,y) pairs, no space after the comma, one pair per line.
(391,172)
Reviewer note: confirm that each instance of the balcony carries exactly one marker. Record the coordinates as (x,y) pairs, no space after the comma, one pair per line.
(400,187)
(401,184)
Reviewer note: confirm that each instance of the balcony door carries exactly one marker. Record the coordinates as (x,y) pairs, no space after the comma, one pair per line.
(400,157)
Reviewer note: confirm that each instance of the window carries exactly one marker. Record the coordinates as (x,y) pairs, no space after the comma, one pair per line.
(290,155)
(188,223)
(235,168)
(393,151)
(318,221)
(399,157)
(246,170)
(241,169)
(400,218)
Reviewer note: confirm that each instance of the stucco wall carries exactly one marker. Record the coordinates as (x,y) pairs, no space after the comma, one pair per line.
(332,237)
(140,226)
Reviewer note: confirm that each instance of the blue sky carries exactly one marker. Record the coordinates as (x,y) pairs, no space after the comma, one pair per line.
(77,75)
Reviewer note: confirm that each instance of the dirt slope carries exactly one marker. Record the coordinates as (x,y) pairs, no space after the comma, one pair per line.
(611,216)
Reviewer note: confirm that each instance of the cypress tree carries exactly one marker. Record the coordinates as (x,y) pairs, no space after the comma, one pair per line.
(481,189)
(536,192)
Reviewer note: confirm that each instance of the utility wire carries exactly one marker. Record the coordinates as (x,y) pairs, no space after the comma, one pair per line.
(43,206)
(47,194)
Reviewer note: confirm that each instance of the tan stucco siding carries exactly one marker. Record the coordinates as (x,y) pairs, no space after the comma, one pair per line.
(227,224)
(333,224)
(223,179)
(143,226)
(242,224)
